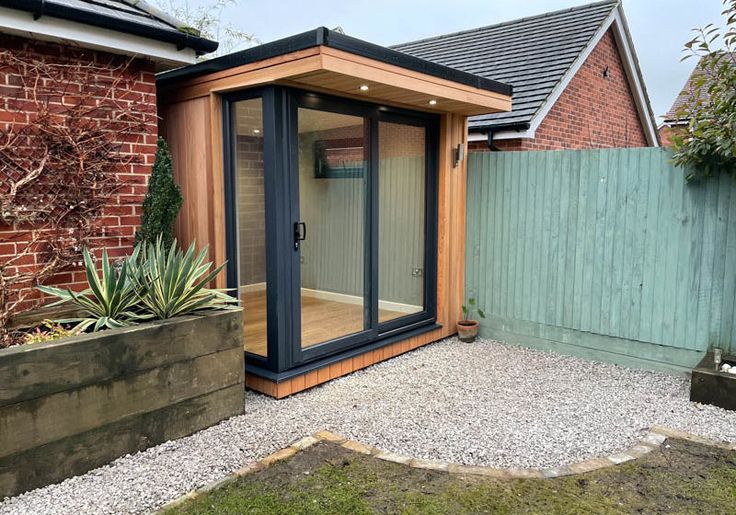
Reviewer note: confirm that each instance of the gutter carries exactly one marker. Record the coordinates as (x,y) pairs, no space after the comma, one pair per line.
(491,145)
(491,130)
(39,8)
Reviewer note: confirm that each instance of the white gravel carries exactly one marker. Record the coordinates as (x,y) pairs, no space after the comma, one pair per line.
(484,403)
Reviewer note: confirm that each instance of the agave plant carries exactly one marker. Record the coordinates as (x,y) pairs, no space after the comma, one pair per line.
(110,301)
(173,283)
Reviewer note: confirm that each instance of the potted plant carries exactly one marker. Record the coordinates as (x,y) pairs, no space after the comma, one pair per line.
(467,328)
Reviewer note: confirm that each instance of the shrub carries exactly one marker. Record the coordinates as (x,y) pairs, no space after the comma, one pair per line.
(709,145)
(152,283)
(173,283)
(110,301)
(49,331)
(162,202)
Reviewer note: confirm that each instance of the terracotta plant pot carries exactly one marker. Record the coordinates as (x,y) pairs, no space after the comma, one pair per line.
(467,330)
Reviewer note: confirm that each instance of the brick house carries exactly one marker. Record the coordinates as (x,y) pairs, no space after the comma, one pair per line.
(126,42)
(673,121)
(576,78)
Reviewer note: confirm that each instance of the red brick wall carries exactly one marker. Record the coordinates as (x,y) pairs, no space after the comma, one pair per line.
(666,133)
(122,216)
(593,111)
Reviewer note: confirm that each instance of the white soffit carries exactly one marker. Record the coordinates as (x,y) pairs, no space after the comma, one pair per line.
(47,28)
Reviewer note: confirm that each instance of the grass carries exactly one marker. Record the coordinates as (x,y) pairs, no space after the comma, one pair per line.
(683,477)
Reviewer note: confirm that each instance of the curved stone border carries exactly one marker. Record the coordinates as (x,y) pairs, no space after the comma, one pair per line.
(653,440)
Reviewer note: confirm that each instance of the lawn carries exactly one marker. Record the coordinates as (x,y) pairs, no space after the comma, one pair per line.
(682,477)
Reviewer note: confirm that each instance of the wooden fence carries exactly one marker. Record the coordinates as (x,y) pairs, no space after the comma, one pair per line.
(608,254)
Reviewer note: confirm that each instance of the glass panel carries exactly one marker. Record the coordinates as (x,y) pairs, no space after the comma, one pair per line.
(401,211)
(251,208)
(333,157)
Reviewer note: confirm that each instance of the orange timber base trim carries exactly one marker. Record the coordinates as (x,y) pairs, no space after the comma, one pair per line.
(322,375)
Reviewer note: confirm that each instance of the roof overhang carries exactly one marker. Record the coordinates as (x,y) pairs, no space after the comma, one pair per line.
(325,61)
(168,49)
(616,21)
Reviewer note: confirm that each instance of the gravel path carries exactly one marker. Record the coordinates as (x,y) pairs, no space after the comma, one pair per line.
(485,403)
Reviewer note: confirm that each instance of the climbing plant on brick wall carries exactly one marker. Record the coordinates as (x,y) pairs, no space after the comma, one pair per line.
(67,131)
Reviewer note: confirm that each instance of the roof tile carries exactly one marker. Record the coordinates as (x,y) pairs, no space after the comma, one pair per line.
(532,54)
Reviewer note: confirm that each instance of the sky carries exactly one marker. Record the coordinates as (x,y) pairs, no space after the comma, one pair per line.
(659,27)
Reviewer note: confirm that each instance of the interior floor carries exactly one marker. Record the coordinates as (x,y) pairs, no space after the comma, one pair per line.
(322,320)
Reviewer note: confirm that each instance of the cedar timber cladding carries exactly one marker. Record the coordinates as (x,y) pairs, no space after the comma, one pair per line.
(191,109)
(322,61)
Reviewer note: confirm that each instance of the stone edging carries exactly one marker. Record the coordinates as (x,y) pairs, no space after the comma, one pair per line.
(653,440)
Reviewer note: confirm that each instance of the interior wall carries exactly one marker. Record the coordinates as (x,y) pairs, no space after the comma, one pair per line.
(251,199)
(251,210)
(402,192)
(333,210)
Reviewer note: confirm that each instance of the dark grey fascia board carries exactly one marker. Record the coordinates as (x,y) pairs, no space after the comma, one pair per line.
(40,8)
(325,37)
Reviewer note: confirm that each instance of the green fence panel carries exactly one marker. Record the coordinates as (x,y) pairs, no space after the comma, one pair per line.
(608,254)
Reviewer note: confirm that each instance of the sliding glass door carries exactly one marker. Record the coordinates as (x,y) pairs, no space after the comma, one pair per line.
(331,223)
(332,227)
(364,190)
(402,186)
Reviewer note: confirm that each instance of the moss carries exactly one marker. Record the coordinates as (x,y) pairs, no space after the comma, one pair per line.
(186,29)
(327,479)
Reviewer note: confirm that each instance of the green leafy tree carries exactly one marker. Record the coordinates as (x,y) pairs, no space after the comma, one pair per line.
(708,147)
(162,202)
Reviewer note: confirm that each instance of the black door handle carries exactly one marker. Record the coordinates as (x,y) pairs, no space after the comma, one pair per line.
(300,233)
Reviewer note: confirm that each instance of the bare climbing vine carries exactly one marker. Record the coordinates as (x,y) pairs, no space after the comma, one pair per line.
(65,138)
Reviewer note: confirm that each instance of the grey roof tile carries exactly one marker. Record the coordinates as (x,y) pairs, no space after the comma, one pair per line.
(532,54)
(128,16)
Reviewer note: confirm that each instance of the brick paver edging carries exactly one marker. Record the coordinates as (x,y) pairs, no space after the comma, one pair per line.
(653,440)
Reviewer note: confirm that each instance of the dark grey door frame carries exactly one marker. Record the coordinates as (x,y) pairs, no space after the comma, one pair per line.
(281,184)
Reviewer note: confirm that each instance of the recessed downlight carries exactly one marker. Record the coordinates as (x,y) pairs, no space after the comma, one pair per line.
(364,87)
(433,102)
(256,131)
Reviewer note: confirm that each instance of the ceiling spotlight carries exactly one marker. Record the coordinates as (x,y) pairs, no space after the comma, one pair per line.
(256,131)
(433,102)
(364,87)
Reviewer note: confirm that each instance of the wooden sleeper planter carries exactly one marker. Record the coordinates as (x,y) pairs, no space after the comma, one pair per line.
(72,405)
(711,386)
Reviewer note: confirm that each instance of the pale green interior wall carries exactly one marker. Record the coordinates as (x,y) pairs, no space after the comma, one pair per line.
(606,253)
(401,229)
(333,209)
